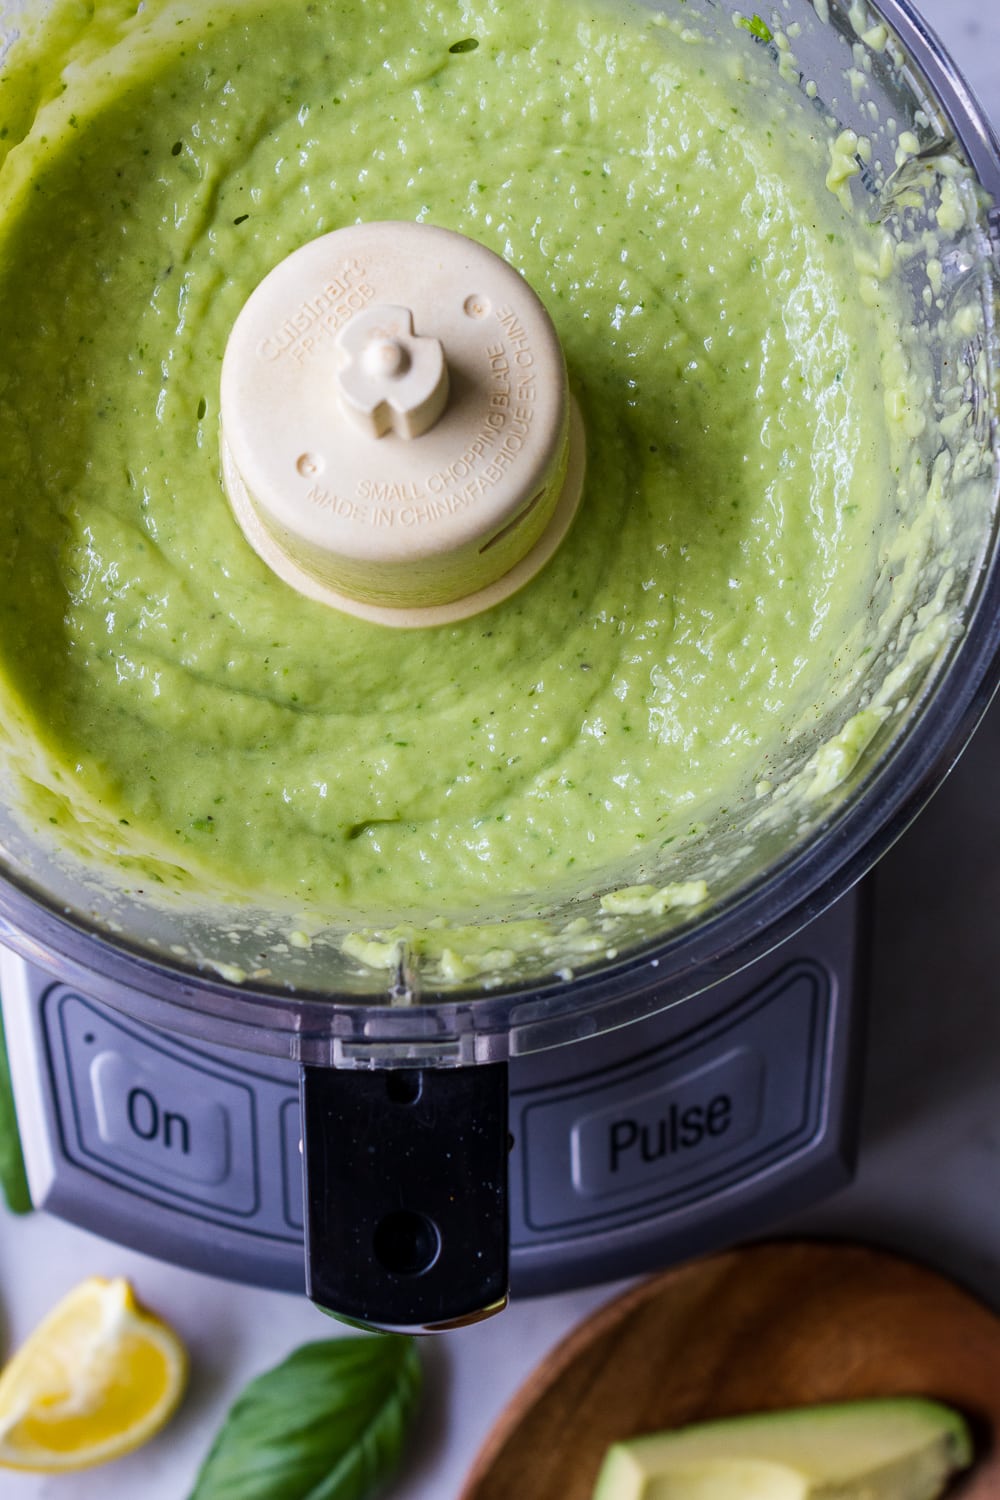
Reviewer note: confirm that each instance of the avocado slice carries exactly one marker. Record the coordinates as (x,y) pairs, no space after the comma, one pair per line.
(898,1448)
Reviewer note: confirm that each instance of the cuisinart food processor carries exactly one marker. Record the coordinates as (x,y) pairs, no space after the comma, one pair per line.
(407,1143)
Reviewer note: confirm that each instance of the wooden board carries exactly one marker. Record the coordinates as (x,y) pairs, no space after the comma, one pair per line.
(765,1327)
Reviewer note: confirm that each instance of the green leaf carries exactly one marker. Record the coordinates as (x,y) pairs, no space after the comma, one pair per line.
(12,1174)
(756,27)
(327,1424)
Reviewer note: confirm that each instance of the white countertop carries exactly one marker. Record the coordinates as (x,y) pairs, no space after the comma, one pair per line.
(970,31)
(928,1179)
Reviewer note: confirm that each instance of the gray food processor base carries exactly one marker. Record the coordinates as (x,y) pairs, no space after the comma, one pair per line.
(630,1151)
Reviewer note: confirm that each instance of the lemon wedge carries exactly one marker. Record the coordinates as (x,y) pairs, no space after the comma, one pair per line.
(97,1377)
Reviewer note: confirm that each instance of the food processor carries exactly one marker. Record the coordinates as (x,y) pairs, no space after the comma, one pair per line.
(642,1081)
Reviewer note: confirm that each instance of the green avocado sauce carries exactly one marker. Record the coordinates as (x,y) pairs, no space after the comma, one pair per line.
(179,714)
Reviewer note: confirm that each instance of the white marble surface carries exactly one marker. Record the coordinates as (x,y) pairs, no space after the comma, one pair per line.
(929,1176)
(970,31)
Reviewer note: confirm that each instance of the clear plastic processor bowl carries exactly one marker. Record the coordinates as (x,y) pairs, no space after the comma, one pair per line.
(876,73)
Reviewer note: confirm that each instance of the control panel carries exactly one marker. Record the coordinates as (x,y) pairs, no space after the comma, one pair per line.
(674,1135)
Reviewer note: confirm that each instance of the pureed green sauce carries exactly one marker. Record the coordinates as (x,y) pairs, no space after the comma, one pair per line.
(179,714)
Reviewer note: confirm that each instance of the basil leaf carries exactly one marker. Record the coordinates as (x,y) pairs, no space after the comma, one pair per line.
(327,1424)
(12,1175)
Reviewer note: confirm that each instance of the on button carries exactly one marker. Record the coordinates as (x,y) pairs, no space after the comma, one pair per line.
(141,1116)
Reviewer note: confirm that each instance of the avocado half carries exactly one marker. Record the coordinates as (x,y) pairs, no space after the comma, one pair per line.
(898,1448)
